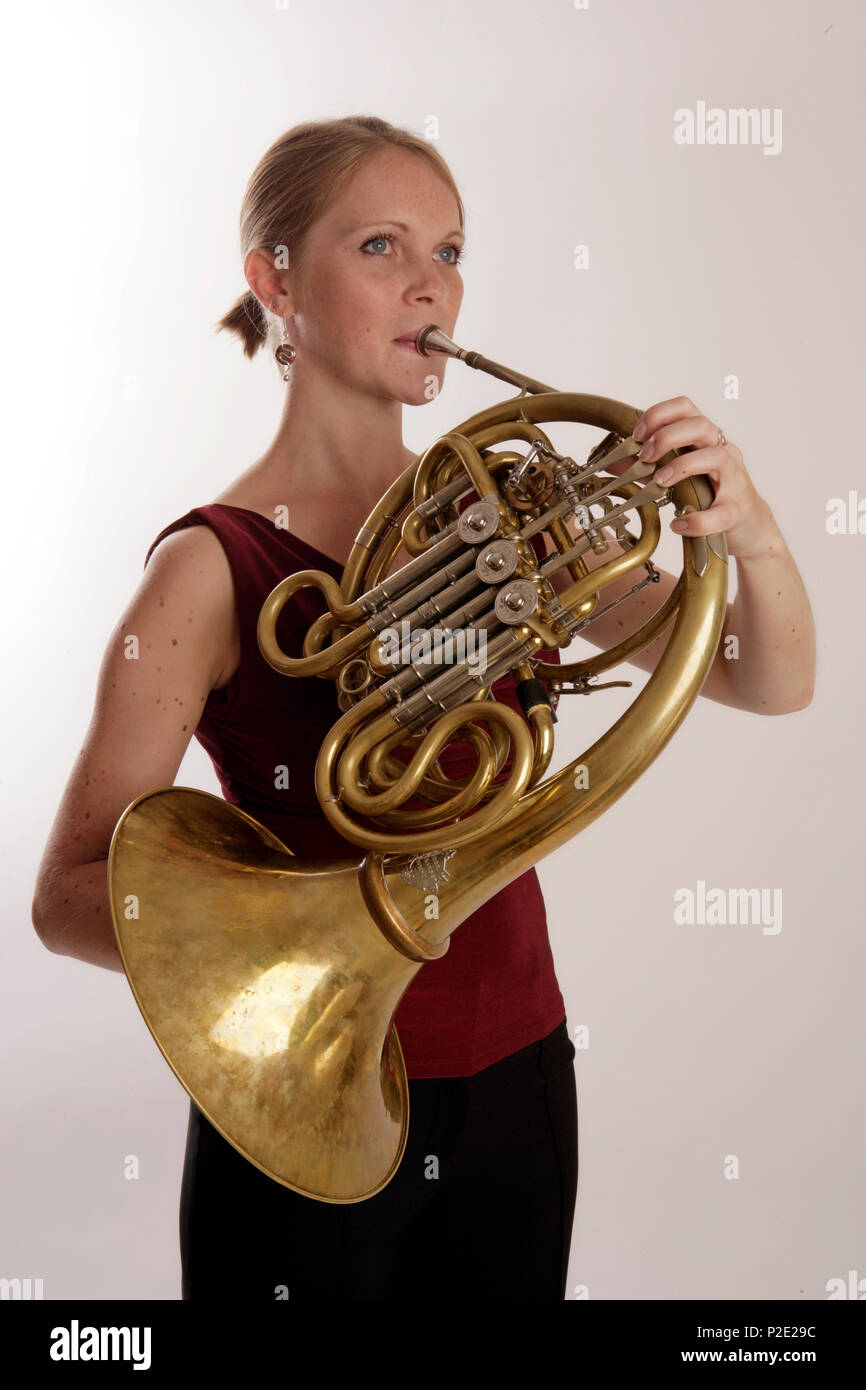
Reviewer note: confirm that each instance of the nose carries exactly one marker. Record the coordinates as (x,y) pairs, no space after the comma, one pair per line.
(427,283)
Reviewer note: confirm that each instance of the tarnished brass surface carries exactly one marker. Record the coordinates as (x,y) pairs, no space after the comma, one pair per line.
(268,989)
(270,984)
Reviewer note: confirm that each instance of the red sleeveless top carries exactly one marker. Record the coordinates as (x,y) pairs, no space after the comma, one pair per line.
(495,990)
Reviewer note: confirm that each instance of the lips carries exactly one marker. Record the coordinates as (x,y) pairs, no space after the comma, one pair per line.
(409,341)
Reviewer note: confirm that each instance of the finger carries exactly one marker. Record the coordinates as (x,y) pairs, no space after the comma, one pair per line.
(664,413)
(714,458)
(692,431)
(718,517)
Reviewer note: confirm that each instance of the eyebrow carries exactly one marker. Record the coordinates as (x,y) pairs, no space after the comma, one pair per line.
(402,225)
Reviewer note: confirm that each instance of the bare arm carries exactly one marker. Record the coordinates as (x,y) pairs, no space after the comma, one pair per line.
(147,707)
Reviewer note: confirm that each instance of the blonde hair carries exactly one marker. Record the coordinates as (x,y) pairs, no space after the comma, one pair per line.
(291,187)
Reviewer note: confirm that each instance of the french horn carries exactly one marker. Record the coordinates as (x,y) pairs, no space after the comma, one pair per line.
(269,983)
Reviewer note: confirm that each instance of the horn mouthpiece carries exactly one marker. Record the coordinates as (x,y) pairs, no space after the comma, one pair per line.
(432,339)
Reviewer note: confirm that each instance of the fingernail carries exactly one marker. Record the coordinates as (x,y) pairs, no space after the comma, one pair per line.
(663,474)
(639,432)
(647,450)
(679,525)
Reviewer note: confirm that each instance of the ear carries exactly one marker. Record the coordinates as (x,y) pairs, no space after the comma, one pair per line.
(270,284)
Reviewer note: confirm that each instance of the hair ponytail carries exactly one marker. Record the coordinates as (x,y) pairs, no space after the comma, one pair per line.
(246,318)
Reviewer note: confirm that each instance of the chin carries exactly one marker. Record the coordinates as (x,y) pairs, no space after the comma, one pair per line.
(416,391)
(412,395)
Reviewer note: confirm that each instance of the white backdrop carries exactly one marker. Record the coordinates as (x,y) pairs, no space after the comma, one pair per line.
(130,132)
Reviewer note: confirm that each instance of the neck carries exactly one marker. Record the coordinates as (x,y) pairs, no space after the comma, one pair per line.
(334,445)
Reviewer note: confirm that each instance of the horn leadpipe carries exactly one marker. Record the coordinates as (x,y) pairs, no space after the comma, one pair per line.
(432,339)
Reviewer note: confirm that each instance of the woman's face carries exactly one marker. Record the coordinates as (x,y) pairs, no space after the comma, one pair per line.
(366,281)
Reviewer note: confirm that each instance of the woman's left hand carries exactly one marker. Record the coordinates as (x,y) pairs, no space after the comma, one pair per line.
(738,509)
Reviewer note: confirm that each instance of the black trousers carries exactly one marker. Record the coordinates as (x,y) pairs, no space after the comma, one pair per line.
(481,1206)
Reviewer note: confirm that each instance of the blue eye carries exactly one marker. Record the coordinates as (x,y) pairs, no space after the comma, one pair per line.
(388,237)
(380,236)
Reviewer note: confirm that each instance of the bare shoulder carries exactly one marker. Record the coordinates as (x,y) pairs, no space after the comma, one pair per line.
(197,548)
(188,578)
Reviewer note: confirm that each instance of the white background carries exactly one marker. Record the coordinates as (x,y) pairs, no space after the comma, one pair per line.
(130,131)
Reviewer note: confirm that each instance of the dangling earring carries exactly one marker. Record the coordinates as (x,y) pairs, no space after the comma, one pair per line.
(285,353)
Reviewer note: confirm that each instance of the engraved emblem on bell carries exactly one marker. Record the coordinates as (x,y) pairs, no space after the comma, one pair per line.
(427,871)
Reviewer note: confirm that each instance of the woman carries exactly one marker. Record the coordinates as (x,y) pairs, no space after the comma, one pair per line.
(351,235)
